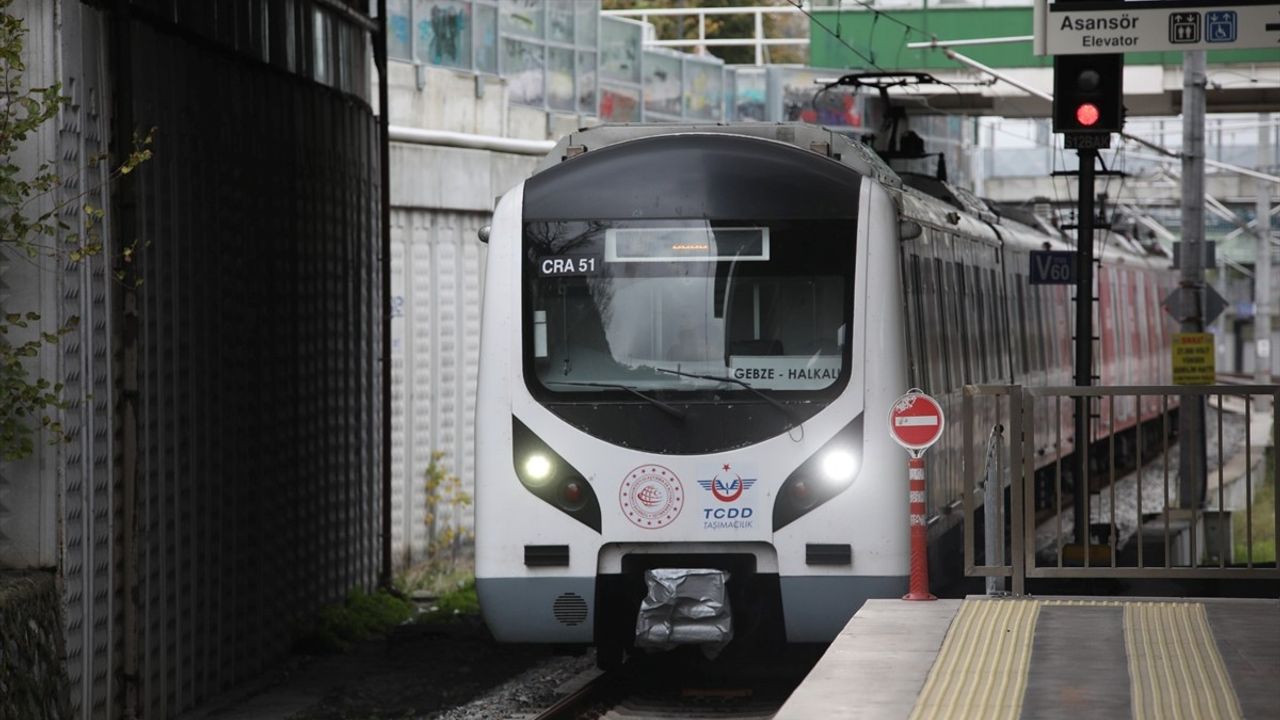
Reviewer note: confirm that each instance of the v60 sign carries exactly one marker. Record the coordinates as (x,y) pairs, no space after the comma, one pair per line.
(1053,267)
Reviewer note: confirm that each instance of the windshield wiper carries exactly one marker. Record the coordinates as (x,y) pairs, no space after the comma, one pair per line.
(673,411)
(742,383)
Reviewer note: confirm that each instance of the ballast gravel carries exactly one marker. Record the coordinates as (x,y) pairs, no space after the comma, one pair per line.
(438,671)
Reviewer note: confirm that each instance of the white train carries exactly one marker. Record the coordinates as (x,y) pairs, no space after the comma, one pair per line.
(691,338)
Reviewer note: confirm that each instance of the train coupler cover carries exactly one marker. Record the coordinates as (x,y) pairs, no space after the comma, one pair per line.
(685,606)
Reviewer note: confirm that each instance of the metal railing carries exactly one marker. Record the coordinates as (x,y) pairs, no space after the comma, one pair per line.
(1138,526)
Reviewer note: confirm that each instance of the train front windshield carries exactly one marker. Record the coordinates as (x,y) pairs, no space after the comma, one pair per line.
(615,306)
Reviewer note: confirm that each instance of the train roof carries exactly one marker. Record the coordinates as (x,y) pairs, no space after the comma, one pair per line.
(920,198)
(813,138)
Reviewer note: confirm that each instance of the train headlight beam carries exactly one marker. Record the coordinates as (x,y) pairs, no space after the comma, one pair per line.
(537,469)
(839,466)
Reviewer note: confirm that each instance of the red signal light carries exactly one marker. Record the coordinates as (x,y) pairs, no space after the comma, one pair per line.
(573,496)
(1087,114)
(572,492)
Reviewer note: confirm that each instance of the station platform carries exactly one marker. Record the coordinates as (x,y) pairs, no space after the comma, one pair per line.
(1070,658)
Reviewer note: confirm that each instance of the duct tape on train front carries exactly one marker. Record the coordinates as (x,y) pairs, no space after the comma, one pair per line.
(685,606)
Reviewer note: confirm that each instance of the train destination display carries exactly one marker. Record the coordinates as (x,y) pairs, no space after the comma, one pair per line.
(786,372)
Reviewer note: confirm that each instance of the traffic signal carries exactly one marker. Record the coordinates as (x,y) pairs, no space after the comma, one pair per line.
(1088,93)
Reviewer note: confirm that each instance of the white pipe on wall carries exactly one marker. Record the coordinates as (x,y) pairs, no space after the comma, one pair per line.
(448,138)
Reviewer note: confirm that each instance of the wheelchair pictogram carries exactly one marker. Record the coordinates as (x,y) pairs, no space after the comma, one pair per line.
(1220,26)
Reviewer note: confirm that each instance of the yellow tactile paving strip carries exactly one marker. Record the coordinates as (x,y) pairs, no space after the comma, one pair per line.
(981,671)
(1175,669)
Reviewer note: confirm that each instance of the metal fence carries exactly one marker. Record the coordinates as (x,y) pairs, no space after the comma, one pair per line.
(1137,525)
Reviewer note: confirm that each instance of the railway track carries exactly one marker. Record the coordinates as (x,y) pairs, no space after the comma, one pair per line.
(629,694)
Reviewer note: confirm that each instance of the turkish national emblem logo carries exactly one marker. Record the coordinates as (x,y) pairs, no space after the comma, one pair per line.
(651,496)
(727,485)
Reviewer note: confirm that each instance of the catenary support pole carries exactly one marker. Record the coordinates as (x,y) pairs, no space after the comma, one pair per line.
(1264,301)
(918,588)
(1084,344)
(1191,435)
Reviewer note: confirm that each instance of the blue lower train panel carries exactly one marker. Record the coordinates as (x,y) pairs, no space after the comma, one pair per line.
(544,609)
(562,609)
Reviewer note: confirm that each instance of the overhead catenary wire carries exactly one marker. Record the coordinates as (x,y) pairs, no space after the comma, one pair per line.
(799,5)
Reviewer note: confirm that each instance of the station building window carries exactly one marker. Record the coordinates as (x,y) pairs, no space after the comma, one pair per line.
(547,49)
(560,55)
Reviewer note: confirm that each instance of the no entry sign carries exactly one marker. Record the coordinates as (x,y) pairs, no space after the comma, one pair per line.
(915,421)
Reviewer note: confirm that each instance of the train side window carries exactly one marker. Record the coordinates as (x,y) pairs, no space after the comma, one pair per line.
(915,335)
(956,317)
(1000,363)
(986,340)
(1038,329)
(1144,347)
(945,333)
(1052,324)
(973,330)
(1020,319)
(972,309)
(1048,329)
(1117,310)
(1130,327)
(999,326)
(964,309)
(933,339)
(936,338)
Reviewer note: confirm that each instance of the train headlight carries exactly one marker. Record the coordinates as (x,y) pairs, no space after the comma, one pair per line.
(839,466)
(822,476)
(537,469)
(546,474)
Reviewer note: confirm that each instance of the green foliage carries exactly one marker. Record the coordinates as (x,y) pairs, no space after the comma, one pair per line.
(362,616)
(456,603)
(25,400)
(445,498)
(1264,519)
(27,403)
(434,580)
(734,27)
(447,566)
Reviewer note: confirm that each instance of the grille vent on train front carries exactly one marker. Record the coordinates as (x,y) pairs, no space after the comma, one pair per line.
(570,609)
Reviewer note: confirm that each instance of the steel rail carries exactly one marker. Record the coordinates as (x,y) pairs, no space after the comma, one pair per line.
(595,690)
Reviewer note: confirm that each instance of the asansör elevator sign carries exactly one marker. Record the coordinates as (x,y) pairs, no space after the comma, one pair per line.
(1064,28)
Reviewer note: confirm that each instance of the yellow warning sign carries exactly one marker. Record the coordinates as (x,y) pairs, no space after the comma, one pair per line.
(1193,362)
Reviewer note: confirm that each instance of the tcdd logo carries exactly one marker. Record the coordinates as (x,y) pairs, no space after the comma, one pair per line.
(727,487)
(732,513)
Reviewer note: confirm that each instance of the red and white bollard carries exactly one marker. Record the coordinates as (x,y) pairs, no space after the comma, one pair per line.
(915,423)
(918,589)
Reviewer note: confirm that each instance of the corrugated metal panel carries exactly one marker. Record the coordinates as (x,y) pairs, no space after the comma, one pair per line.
(437,266)
(93,635)
(258,352)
